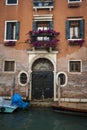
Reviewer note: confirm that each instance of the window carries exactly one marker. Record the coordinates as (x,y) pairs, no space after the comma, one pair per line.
(74,1)
(12,30)
(62,78)
(74,66)
(43,4)
(9,66)
(11,2)
(23,78)
(43,25)
(75,29)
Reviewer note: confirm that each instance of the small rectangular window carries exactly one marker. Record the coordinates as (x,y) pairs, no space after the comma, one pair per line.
(74,66)
(74,1)
(9,66)
(12,29)
(11,2)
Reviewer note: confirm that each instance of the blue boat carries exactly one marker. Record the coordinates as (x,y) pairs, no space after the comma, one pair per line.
(9,106)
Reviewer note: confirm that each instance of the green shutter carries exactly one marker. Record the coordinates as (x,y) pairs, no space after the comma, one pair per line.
(9,31)
(82,29)
(67,30)
(17,30)
(51,25)
(34,25)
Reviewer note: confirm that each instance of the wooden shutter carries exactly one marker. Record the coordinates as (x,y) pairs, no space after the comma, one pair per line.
(9,31)
(51,25)
(17,30)
(67,30)
(34,25)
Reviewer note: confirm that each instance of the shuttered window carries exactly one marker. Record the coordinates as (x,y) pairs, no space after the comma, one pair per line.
(12,30)
(43,25)
(75,29)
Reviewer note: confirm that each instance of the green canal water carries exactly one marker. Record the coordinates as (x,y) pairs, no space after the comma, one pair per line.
(41,119)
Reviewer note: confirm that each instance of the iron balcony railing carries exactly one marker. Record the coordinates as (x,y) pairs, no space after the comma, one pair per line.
(44,38)
(43,3)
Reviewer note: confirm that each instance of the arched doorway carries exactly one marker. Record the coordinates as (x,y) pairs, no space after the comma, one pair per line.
(42,80)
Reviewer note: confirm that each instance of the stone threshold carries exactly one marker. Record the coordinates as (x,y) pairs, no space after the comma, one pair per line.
(41,103)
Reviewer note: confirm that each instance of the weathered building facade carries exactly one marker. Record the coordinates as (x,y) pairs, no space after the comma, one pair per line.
(42,43)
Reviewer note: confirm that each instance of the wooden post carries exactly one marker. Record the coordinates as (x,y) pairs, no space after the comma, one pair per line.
(13,86)
(59,91)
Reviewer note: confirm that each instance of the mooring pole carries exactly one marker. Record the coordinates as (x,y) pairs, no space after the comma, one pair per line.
(59,95)
(13,86)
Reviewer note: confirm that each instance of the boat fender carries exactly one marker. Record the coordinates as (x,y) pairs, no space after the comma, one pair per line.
(2,109)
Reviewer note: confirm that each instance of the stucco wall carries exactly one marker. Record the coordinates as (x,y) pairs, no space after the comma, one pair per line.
(76,83)
(9,80)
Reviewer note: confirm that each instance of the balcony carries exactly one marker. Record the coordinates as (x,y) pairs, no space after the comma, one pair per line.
(74,3)
(43,4)
(44,39)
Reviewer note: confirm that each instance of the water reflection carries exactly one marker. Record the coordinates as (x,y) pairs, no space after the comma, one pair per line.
(41,119)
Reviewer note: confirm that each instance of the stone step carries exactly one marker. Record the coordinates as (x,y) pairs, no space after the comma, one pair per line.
(40,104)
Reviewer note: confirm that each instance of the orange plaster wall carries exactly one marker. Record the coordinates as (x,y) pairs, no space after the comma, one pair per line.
(24,13)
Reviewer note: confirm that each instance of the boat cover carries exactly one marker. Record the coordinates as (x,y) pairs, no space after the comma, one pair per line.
(17,100)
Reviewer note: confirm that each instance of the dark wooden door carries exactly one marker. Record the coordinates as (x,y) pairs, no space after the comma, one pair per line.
(42,85)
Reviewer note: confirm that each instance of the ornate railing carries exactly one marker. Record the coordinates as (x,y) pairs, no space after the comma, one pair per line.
(43,3)
(43,38)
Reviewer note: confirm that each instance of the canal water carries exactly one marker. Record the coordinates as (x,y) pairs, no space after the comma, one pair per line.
(41,119)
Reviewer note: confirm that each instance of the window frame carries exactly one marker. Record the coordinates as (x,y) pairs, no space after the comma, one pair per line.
(74,1)
(66,78)
(50,22)
(11,3)
(73,19)
(5,34)
(75,72)
(19,78)
(9,71)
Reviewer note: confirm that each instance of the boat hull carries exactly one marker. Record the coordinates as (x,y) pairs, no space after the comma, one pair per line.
(68,110)
(7,109)
(6,106)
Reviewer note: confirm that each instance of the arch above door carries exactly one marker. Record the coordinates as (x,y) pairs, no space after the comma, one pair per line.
(42,64)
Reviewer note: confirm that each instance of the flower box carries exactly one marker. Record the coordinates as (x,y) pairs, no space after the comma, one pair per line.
(43,32)
(10,43)
(76,42)
(43,38)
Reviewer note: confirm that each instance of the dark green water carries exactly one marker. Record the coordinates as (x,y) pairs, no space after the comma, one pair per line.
(41,119)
